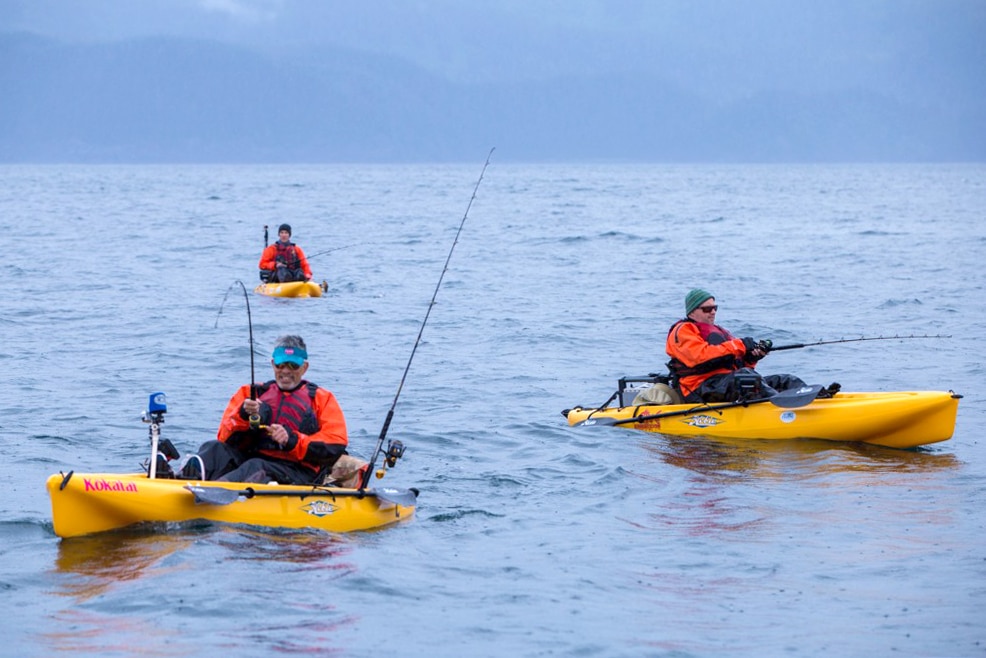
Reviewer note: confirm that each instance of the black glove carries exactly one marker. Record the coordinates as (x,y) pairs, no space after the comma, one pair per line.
(749,344)
(765,345)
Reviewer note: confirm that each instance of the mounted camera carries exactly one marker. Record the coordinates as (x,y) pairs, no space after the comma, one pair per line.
(157,406)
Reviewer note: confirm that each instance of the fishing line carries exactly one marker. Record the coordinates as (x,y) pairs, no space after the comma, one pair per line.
(400,387)
(253,386)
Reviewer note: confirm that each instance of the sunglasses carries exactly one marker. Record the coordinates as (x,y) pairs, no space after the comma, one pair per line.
(709,309)
(287,364)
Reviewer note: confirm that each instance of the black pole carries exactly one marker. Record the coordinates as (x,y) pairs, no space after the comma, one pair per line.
(795,346)
(393,405)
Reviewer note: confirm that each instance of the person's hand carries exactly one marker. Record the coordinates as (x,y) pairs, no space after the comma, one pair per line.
(754,349)
(279,434)
(765,345)
(255,411)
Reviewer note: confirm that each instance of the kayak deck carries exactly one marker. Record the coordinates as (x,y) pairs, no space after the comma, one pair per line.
(291,289)
(85,503)
(905,419)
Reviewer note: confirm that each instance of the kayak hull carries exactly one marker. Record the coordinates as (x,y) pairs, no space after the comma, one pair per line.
(905,419)
(290,289)
(86,503)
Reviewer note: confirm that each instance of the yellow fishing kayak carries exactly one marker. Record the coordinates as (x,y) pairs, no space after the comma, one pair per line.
(898,420)
(292,289)
(85,503)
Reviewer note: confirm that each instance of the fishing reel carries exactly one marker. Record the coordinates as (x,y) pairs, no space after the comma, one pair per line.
(395,450)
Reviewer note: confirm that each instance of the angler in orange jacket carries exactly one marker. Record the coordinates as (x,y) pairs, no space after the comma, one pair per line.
(284,261)
(286,430)
(706,358)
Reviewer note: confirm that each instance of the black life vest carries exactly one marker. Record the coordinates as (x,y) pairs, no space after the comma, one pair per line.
(286,255)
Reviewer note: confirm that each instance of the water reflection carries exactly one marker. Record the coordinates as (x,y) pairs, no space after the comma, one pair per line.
(744,459)
(100,562)
(159,589)
(744,488)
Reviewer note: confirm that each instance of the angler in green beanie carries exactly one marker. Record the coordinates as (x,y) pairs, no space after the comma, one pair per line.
(709,364)
(694,299)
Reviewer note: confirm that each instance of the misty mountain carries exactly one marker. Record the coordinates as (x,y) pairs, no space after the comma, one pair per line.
(183,100)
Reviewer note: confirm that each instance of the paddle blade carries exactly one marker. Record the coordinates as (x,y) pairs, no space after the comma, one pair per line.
(402,497)
(212,495)
(600,421)
(796,397)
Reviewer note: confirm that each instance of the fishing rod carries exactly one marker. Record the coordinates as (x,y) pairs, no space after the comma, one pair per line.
(395,450)
(254,419)
(329,251)
(777,348)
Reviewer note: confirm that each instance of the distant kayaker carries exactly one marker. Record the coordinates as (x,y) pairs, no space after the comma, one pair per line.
(284,261)
(287,430)
(709,365)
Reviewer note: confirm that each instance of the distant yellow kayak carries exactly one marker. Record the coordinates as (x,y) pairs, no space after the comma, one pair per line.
(85,503)
(292,289)
(898,420)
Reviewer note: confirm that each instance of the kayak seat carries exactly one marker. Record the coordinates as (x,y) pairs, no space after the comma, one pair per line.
(347,473)
(658,394)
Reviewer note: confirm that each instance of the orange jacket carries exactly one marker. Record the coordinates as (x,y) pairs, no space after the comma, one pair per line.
(311,450)
(688,344)
(269,256)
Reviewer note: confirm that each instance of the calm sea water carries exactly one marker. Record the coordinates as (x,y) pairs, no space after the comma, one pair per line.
(532,538)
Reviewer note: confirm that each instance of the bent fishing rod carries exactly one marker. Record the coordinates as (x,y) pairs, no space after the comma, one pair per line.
(253,379)
(777,348)
(393,453)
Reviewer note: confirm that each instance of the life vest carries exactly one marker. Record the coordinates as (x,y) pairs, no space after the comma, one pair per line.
(286,254)
(713,335)
(291,408)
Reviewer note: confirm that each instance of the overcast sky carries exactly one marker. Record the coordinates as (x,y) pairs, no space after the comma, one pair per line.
(739,42)
(878,56)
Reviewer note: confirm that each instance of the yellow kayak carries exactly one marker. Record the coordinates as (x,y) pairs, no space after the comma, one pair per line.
(292,289)
(85,503)
(898,420)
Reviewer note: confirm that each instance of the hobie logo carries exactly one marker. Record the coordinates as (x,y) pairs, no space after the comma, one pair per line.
(702,421)
(319,508)
(103,484)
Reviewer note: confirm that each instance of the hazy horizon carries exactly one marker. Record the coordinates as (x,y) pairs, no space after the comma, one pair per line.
(290,80)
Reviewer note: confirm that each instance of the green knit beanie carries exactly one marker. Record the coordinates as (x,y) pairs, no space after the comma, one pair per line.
(694,299)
